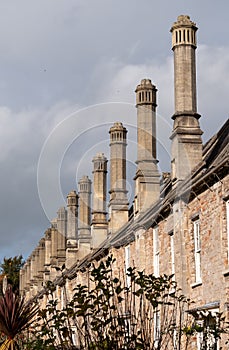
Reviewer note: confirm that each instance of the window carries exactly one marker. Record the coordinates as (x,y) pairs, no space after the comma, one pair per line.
(197,249)
(156,252)
(199,337)
(208,320)
(227,216)
(156,329)
(74,332)
(172,255)
(62,298)
(127,264)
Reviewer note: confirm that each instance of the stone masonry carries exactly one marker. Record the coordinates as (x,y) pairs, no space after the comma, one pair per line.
(179,221)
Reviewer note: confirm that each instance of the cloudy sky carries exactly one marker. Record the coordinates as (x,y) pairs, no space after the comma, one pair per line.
(68,70)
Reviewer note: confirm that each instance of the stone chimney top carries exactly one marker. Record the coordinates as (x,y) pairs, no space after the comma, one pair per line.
(72,193)
(183,32)
(146,93)
(145,84)
(99,156)
(118,126)
(84,178)
(72,198)
(183,21)
(84,184)
(61,209)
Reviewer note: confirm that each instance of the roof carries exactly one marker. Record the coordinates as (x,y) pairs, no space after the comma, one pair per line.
(214,167)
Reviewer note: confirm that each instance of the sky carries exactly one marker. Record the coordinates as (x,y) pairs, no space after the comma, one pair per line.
(68,71)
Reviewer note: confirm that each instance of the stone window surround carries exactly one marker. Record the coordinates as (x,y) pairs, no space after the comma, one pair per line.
(127,264)
(226,200)
(156,252)
(197,249)
(172,252)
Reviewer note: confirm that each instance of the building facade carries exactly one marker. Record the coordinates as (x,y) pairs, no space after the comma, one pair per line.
(179,221)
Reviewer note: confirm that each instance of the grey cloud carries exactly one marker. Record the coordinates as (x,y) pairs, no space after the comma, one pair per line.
(58,56)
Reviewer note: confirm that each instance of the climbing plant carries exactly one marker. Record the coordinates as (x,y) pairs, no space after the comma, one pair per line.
(116,312)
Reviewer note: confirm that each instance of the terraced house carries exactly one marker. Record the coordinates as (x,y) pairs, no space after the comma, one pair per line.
(179,221)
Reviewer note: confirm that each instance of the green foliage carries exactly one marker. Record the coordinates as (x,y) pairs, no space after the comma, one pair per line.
(11,268)
(210,327)
(118,312)
(107,314)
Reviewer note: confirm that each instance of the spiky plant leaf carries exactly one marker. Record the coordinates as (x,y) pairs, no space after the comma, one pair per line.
(7,345)
(15,314)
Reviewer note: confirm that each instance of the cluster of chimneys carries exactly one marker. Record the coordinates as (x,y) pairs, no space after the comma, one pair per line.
(74,233)
(86,229)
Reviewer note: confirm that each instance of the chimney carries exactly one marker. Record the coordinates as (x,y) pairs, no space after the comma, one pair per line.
(186,136)
(147,178)
(118,205)
(84,186)
(99,214)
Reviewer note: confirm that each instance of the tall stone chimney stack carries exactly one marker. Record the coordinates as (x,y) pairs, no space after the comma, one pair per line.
(147,176)
(48,246)
(72,228)
(62,221)
(62,229)
(99,214)
(84,187)
(186,135)
(72,216)
(118,206)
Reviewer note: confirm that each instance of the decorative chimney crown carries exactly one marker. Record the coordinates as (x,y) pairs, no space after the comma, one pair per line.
(183,32)
(146,93)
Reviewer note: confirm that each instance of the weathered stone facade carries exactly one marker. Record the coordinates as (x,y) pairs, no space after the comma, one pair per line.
(179,225)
